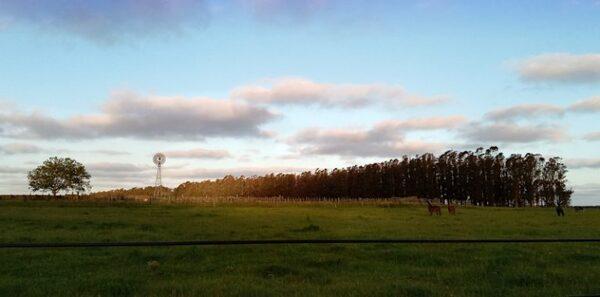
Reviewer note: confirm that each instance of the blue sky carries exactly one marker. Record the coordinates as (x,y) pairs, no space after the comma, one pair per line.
(253,86)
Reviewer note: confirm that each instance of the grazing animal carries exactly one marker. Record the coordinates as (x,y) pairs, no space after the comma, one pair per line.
(451,209)
(433,209)
(578,209)
(560,211)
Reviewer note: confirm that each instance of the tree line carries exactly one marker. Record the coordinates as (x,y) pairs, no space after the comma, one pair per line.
(484,177)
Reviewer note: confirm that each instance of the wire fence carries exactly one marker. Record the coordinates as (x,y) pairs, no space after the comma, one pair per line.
(50,245)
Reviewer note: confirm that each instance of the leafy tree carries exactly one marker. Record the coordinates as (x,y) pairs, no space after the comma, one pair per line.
(553,188)
(59,174)
(483,177)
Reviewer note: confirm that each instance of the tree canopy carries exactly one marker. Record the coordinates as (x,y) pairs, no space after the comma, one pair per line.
(59,174)
(483,177)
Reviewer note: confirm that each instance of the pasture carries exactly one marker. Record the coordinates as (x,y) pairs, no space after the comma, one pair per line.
(553,269)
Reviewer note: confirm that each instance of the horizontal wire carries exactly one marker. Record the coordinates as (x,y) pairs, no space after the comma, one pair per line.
(41,245)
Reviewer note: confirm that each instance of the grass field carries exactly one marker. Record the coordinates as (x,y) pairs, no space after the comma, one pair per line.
(554,269)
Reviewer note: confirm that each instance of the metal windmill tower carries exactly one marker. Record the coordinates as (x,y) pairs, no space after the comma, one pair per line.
(159,159)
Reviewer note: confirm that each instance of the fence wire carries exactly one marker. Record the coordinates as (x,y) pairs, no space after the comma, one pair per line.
(50,245)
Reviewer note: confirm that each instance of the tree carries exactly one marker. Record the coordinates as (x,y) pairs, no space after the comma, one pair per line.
(59,174)
(483,177)
(553,183)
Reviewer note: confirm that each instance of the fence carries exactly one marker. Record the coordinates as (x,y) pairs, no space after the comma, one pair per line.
(216,201)
(290,241)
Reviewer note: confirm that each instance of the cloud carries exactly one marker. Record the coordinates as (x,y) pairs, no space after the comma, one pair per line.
(560,67)
(198,153)
(115,175)
(577,163)
(531,110)
(4,24)
(300,91)
(115,167)
(593,136)
(12,170)
(211,173)
(525,111)
(20,148)
(384,139)
(109,175)
(108,21)
(507,132)
(591,104)
(109,152)
(128,114)
(284,9)
(119,172)
(432,123)
(586,194)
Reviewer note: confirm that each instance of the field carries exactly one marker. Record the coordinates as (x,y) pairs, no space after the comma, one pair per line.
(554,269)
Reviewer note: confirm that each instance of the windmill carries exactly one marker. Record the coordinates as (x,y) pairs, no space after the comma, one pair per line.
(159,159)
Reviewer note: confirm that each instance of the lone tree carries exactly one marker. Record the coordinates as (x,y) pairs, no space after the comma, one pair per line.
(59,174)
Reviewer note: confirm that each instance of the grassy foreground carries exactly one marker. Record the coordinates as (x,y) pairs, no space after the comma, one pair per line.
(298,270)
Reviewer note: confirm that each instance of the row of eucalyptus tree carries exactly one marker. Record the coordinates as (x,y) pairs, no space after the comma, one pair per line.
(483,177)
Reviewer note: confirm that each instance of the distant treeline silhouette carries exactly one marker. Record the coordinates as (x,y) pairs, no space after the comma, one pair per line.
(484,177)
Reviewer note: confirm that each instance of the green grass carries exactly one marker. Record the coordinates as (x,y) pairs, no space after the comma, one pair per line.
(294,270)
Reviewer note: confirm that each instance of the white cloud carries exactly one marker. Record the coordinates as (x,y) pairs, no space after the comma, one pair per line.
(591,104)
(432,123)
(534,110)
(127,114)
(507,132)
(561,67)
(576,163)
(115,175)
(198,153)
(119,173)
(115,167)
(525,111)
(300,91)
(593,136)
(586,194)
(384,139)
(20,148)
(211,173)
(109,152)
(9,170)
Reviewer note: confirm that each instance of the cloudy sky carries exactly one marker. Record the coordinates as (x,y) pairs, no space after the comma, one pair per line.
(255,86)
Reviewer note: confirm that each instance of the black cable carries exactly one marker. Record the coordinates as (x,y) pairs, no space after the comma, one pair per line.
(285,241)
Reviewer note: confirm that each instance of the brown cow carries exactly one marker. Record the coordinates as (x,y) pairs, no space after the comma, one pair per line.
(451,209)
(433,209)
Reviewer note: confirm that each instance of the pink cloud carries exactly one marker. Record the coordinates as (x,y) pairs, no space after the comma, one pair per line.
(300,91)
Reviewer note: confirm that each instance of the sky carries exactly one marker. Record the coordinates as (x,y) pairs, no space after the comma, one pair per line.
(257,86)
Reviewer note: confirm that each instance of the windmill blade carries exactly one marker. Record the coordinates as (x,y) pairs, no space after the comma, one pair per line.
(159,158)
